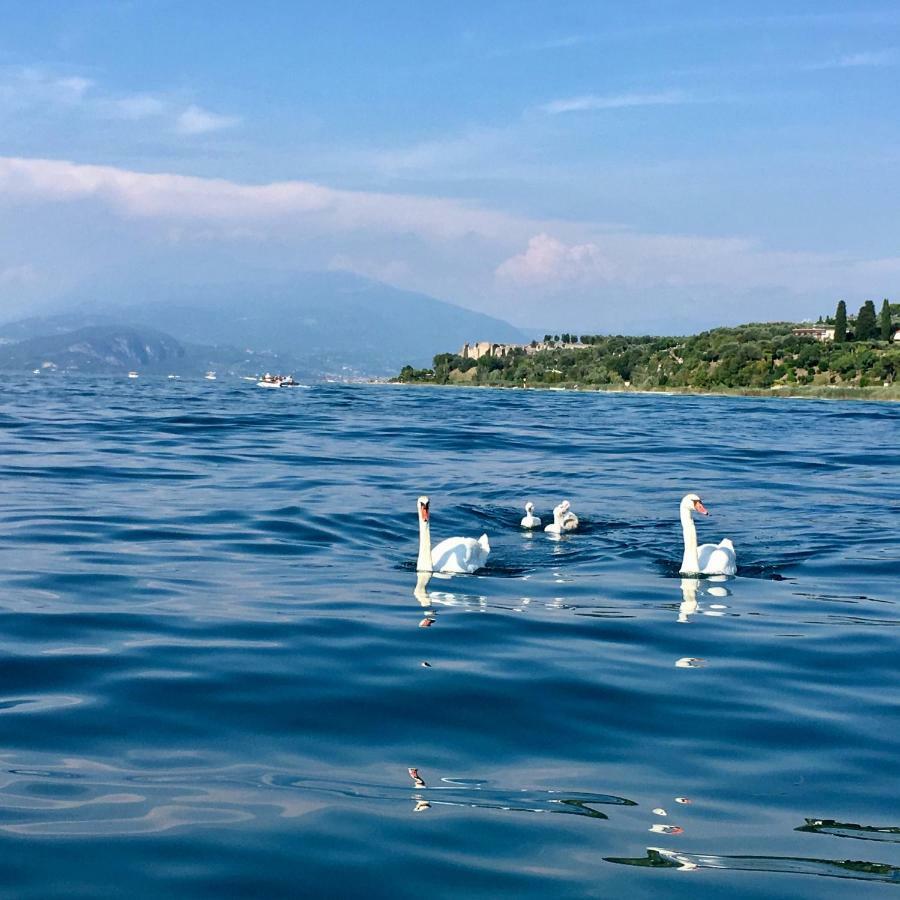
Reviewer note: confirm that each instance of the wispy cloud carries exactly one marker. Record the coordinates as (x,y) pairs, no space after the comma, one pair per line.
(217,202)
(589,102)
(196,120)
(873,59)
(18,276)
(888,57)
(41,92)
(139,106)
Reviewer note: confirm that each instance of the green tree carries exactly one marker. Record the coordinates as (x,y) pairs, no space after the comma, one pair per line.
(885,321)
(840,323)
(866,328)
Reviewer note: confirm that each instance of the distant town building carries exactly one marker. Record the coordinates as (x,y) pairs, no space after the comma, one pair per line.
(477,349)
(485,348)
(896,336)
(819,332)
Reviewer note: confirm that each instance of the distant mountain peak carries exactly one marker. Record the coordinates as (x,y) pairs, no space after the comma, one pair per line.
(314,321)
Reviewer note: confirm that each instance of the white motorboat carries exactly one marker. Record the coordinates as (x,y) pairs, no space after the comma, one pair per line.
(277,381)
(133,375)
(210,376)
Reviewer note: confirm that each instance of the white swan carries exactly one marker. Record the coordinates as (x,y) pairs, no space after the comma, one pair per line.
(456,555)
(563,519)
(569,521)
(708,559)
(530,520)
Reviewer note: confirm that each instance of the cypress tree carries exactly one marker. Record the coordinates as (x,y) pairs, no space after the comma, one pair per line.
(866,327)
(840,323)
(885,322)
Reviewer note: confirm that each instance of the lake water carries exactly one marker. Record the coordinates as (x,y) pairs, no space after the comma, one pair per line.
(215,675)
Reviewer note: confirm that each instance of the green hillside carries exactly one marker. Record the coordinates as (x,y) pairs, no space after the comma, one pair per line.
(756,357)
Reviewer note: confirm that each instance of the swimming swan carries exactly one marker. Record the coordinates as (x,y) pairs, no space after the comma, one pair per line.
(569,520)
(563,519)
(530,520)
(457,555)
(708,559)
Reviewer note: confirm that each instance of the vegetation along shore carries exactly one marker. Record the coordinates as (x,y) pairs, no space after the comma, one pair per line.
(839,356)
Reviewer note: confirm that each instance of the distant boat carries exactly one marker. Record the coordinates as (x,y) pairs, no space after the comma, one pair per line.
(35,371)
(173,376)
(277,381)
(132,374)
(210,376)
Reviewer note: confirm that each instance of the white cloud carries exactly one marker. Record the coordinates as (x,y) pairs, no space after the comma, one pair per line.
(646,261)
(19,276)
(73,88)
(887,57)
(21,88)
(139,106)
(548,259)
(865,59)
(196,120)
(216,201)
(506,264)
(43,93)
(615,101)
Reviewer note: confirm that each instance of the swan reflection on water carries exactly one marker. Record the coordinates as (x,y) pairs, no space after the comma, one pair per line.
(421,594)
(690,587)
(660,858)
(889,833)
(477,794)
(428,599)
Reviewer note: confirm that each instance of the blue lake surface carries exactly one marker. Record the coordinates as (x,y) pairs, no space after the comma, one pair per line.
(213,675)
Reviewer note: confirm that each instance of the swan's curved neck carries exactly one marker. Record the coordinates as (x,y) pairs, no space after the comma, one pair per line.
(689,562)
(423,563)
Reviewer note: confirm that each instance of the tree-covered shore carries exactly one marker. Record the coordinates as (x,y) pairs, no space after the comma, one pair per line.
(758,358)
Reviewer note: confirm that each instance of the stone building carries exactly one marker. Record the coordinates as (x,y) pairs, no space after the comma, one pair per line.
(486,348)
(819,332)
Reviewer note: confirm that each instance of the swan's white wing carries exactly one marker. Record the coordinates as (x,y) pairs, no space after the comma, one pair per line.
(459,555)
(717,559)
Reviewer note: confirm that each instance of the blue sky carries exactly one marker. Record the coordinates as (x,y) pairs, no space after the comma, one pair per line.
(579,165)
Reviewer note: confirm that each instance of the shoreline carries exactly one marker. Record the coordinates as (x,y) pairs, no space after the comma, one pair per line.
(805,392)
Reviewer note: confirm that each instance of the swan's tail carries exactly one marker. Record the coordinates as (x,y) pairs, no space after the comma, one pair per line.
(485,543)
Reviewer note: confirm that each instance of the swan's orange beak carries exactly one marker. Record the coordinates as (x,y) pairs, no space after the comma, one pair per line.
(424,509)
(701,508)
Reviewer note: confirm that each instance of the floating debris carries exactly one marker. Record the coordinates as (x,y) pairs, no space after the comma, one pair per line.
(683,800)
(426,664)
(659,811)
(659,828)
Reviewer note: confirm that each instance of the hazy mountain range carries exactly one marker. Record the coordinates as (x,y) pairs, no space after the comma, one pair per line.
(312,323)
